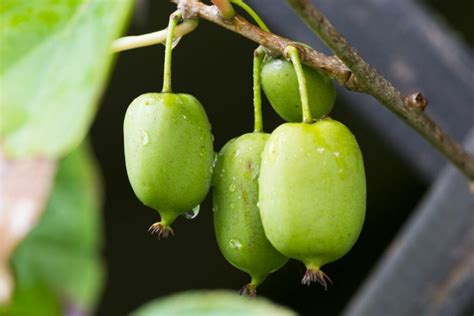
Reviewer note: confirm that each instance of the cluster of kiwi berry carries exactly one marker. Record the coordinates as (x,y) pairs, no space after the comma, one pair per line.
(298,192)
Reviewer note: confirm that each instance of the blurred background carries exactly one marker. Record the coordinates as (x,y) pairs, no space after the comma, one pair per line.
(215,66)
(415,253)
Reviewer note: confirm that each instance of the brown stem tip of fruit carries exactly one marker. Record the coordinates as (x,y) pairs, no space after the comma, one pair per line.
(161,230)
(249,290)
(319,276)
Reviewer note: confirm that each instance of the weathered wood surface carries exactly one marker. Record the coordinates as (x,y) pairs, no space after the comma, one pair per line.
(429,268)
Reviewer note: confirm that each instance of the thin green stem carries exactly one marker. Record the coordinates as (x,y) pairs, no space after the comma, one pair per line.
(292,53)
(174,19)
(257,89)
(252,13)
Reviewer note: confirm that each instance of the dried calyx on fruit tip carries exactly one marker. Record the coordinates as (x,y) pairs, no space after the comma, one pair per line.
(161,230)
(249,290)
(316,275)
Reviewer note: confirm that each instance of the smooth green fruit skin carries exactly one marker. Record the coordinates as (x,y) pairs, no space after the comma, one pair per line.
(168,152)
(280,84)
(237,223)
(312,191)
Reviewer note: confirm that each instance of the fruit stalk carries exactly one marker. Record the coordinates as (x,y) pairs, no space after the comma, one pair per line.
(136,41)
(174,18)
(252,13)
(257,89)
(293,54)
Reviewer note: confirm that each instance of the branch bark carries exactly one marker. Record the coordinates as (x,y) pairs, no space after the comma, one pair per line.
(275,44)
(347,67)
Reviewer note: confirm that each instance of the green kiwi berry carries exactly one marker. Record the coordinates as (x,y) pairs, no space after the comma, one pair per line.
(237,223)
(280,84)
(312,193)
(168,154)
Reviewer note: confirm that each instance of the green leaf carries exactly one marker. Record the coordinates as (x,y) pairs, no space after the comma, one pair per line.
(55,56)
(211,303)
(59,260)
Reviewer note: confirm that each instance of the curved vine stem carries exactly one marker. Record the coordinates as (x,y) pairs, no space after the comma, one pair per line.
(258,55)
(174,18)
(136,41)
(293,54)
(252,13)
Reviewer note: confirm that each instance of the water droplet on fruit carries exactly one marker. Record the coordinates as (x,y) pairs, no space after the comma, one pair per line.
(185,117)
(231,205)
(193,213)
(278,63)
(232,187)
(258,204)
(321,150)
(337,154)
(214,209)
(237,153)
(144,137)
(235,243)
(255,174)
(214,161)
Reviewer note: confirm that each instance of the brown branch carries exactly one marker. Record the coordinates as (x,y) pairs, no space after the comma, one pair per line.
(353,72)
(331,66)
(409,109)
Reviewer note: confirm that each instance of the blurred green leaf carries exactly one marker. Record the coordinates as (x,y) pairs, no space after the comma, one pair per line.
(211,303)
(55,56)
(59,260)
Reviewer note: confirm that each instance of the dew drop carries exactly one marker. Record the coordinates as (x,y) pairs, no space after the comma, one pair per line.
(321,150)
(193,213)
(232,187)
(255,174)
(337,154)
(214,208)
(144,137)
(272,149)
(185,117)
(232,205)
(235,243)
(214,161)
(237,153)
